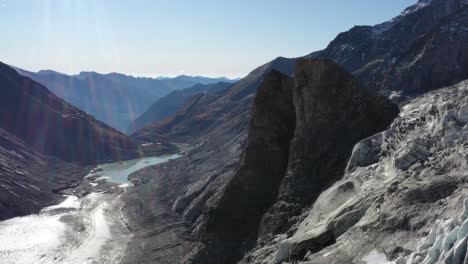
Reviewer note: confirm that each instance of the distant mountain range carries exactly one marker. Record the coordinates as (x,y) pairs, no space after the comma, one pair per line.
(114,98)
(53,127)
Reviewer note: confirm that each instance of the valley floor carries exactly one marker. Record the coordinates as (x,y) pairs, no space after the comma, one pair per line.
(93,224)
(78,230)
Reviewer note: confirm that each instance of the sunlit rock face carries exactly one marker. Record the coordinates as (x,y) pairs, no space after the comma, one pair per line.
(398,186)
(420,50)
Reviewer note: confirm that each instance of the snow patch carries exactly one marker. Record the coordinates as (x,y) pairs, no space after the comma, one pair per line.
(376,257)
(71,202)
(124,185)
(30,239)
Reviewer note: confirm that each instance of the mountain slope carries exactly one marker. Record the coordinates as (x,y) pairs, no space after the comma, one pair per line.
(48,124)
(30,180)
(171,103)
(113,98)
(420,50)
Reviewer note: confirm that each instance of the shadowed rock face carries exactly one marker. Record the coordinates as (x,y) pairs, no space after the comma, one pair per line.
(333,113)
(261,169)
(325,113)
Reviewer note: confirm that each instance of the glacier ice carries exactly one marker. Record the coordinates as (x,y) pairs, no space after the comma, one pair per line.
(446,243)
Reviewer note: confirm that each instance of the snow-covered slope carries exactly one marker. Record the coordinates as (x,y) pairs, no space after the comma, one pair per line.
(399,185)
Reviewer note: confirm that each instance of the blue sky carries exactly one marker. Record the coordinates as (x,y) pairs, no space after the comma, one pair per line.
(172,37)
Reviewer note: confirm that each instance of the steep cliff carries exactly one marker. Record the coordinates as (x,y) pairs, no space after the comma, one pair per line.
(301,134)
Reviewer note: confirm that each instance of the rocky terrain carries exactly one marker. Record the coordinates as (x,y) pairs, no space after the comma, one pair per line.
(298,143)
(421,49)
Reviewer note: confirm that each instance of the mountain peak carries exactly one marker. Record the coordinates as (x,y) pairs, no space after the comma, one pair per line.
(48,71)
(444,7)
(416,7)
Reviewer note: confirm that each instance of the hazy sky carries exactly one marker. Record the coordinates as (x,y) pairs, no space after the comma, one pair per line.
(172,37)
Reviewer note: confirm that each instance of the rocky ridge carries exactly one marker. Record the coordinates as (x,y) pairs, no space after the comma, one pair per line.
(166,106)
(420,50)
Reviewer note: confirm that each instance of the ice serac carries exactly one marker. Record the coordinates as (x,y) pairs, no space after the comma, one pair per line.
(324,114)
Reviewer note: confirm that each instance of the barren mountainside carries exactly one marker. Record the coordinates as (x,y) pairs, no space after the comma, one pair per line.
(113,98)
(168,105)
